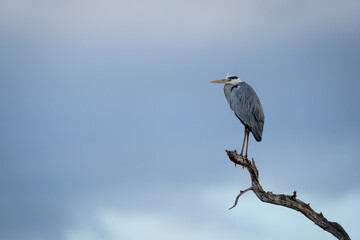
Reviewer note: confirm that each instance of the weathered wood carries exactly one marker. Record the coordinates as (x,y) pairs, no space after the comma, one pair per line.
(290,201)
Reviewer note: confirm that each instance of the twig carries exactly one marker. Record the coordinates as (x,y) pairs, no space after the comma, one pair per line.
(289,201)
(238,196)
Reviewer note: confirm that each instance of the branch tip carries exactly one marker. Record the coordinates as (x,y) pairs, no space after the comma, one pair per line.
(239,195)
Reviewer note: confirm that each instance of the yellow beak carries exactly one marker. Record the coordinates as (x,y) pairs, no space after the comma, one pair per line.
(219,81)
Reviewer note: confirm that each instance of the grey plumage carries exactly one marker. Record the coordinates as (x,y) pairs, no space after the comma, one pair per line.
(247,107)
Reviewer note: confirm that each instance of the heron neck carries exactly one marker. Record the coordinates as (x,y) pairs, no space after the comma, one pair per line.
(227,90)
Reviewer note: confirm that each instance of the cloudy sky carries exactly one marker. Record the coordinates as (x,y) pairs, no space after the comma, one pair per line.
(110,129)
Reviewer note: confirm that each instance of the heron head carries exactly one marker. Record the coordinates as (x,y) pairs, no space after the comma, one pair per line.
(230,80)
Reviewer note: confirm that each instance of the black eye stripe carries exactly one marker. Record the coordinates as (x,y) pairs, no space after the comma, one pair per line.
(233,77)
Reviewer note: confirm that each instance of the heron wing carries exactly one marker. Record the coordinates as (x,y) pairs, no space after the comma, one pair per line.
(247,107)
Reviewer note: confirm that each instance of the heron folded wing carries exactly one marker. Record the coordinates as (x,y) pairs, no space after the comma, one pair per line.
(247,107)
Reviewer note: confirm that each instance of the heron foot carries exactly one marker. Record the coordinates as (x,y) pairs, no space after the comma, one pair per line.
(243,157)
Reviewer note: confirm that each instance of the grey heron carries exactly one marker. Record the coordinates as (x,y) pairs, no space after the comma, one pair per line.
(247,107)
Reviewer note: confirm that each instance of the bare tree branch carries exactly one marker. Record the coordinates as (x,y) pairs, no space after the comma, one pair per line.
(289,201)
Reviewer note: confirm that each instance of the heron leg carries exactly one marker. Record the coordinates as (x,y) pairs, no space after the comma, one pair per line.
(242,149)
(247,143)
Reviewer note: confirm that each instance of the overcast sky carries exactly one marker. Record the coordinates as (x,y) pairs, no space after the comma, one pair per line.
(110,129)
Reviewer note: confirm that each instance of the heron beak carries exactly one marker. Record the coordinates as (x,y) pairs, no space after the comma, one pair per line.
(219,81)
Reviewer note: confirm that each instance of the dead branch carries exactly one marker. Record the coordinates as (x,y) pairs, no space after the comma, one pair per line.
(289,201)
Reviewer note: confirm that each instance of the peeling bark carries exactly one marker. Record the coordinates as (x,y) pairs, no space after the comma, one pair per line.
(289,201)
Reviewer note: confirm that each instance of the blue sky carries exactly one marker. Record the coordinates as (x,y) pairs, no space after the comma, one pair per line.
(110,129)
